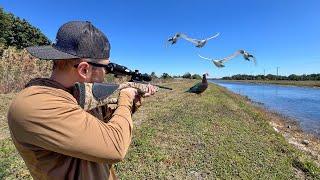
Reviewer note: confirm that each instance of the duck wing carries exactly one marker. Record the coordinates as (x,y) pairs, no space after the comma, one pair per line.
(216,35)
(196,88)
(254,59)
(230,57)
(194,41)
(204,57)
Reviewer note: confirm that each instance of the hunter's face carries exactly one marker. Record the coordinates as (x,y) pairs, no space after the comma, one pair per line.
(98,73)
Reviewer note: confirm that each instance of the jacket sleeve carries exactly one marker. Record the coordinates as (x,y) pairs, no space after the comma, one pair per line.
(58,124)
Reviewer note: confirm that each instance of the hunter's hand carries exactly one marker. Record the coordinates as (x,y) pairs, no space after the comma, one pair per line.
(134,96)
(132,92)
(151,90)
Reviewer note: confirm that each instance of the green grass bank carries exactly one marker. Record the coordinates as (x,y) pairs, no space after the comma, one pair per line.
(179,135)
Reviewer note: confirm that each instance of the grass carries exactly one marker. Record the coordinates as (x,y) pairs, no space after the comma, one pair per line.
(11,164)
(5,100)
(179,135)
(283,82)
(216,135)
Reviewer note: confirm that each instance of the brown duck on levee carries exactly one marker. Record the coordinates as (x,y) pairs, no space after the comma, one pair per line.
(199,87)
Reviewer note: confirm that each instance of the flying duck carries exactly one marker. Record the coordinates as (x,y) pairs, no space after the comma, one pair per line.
(199,42)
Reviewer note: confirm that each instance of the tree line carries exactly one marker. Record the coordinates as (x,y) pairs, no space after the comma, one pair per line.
(18,32)
(292,77)
(187,75)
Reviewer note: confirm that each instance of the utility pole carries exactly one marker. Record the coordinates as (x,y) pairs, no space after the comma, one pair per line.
(277,72)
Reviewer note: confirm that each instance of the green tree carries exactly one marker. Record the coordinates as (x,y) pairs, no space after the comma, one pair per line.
(165,76)
(153,75)
(19,33)
(187,75)
(196,76)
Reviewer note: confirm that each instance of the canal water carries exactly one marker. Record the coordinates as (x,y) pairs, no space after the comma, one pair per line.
(299,103)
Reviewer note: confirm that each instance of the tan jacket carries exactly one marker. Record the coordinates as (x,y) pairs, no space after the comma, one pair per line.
(59,140)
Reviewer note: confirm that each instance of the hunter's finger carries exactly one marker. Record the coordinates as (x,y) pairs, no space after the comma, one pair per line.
(154,89)
(151,89)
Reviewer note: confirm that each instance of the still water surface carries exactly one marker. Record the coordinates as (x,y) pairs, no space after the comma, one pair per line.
(299,103)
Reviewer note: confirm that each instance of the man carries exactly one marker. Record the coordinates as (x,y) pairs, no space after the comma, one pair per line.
(55,137)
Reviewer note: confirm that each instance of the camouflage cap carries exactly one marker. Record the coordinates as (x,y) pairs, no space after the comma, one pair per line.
(75,39)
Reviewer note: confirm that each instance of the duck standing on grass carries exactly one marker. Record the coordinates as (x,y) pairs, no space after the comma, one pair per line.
(200,87)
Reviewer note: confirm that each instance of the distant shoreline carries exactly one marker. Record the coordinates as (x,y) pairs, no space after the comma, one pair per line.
(315,84)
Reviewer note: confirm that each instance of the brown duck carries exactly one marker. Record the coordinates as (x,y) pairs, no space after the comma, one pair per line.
(200,87)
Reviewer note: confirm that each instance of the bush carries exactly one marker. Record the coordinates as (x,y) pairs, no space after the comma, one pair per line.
(187,75)
(17,67)
(153,75)
(196,76)
(165,76)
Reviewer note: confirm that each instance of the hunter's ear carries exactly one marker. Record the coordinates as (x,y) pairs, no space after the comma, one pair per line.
(83,69)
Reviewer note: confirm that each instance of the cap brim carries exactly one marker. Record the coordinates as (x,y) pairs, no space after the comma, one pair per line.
(49,53)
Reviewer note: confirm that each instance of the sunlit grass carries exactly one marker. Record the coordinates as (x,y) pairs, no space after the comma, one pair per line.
(179,135)
(215,135)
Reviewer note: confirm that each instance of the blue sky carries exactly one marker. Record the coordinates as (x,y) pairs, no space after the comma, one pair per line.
(280,33)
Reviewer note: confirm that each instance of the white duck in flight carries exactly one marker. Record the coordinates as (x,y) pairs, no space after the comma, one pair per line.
(199,42)
(218,62)
(247,56)
(174,38)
